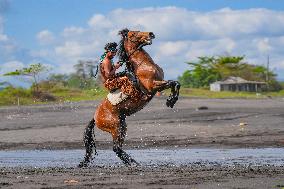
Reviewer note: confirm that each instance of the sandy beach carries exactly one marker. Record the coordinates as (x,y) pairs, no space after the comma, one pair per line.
(223,124)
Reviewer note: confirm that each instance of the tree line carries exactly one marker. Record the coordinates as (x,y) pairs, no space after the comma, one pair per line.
(210,69)
(200,74)
(82,78)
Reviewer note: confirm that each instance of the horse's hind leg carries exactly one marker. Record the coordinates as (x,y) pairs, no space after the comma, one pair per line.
(89,143)
(118,139)
(115,125)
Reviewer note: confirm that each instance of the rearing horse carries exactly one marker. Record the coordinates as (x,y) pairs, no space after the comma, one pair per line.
(111,118)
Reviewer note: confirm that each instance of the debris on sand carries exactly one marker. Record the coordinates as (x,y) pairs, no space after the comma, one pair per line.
(72,181)
(202,108)
(242,125)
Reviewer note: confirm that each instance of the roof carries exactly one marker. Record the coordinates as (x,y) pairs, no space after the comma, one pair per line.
(237,80)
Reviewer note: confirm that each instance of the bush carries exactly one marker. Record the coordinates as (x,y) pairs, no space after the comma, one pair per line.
(44,96)
(282,84)
(274,86)
(16,92)
(50,86)
(10,96)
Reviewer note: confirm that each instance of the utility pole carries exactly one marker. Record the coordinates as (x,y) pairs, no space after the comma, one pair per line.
(267,69)
(267,72)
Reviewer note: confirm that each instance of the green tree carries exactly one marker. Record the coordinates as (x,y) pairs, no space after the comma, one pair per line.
(59,78)
(83,76)
(229,66)
(201,73)
(33,72)
(75,81)
(209,69)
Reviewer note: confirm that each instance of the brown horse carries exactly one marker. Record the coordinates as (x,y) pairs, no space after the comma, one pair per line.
(111,118)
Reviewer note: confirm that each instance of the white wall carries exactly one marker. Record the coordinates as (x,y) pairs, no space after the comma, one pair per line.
(215,87)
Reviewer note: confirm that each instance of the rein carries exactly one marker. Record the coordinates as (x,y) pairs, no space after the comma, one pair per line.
(142,88)
(92,72)
(129,55)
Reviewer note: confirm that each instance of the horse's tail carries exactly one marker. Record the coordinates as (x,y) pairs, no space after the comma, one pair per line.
(89,143)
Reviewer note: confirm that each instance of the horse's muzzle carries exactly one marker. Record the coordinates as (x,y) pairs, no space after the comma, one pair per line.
(152,35)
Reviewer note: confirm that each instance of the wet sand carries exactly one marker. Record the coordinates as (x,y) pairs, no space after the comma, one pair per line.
(227,123)
(177,157)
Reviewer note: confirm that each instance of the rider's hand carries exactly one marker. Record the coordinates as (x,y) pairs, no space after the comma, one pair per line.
(117,65)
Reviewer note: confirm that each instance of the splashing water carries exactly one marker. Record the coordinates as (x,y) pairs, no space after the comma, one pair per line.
(146,157)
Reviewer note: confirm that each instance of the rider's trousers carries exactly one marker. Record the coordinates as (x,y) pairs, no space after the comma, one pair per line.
(124,84)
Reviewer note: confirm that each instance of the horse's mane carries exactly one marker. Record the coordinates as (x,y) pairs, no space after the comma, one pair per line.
(122,54)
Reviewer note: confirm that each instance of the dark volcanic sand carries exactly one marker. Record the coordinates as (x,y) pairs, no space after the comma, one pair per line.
(196,176)
(61,126)
(156,126)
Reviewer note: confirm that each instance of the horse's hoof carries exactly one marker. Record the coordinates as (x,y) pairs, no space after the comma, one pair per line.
(132,163)
(135,163)
(83,164)
(170,103)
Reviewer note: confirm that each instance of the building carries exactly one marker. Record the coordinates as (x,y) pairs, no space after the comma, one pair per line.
(237,84)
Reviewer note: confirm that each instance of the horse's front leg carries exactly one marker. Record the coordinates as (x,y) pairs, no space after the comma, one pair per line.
(174,85)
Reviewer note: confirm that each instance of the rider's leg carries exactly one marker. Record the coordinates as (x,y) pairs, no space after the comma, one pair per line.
(124,84)
(112,84)
(128,88)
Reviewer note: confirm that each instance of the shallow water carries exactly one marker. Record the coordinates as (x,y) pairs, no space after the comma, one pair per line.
(146,157)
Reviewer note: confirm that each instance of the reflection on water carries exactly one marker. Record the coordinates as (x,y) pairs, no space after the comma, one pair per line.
(146,157)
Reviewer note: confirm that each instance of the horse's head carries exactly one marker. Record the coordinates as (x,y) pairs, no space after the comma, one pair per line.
(132,41)
(138,37)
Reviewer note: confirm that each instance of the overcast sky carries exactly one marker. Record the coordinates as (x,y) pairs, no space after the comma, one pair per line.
(60,32)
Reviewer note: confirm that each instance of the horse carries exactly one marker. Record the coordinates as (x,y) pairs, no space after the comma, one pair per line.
(150,77)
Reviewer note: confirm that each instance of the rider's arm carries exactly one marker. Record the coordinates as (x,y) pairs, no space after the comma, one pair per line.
(109,69)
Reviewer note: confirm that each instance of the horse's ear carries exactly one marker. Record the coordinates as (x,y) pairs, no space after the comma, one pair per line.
(123,32)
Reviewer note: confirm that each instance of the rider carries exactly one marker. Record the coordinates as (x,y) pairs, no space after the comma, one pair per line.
(110,79)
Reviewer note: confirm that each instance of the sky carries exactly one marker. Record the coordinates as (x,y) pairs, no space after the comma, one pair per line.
(58,33)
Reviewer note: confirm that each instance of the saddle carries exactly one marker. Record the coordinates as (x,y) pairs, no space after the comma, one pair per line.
(116,97)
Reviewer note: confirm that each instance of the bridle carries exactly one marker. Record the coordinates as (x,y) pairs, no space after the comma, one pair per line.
(130,70)
(130,54)
(121,62)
